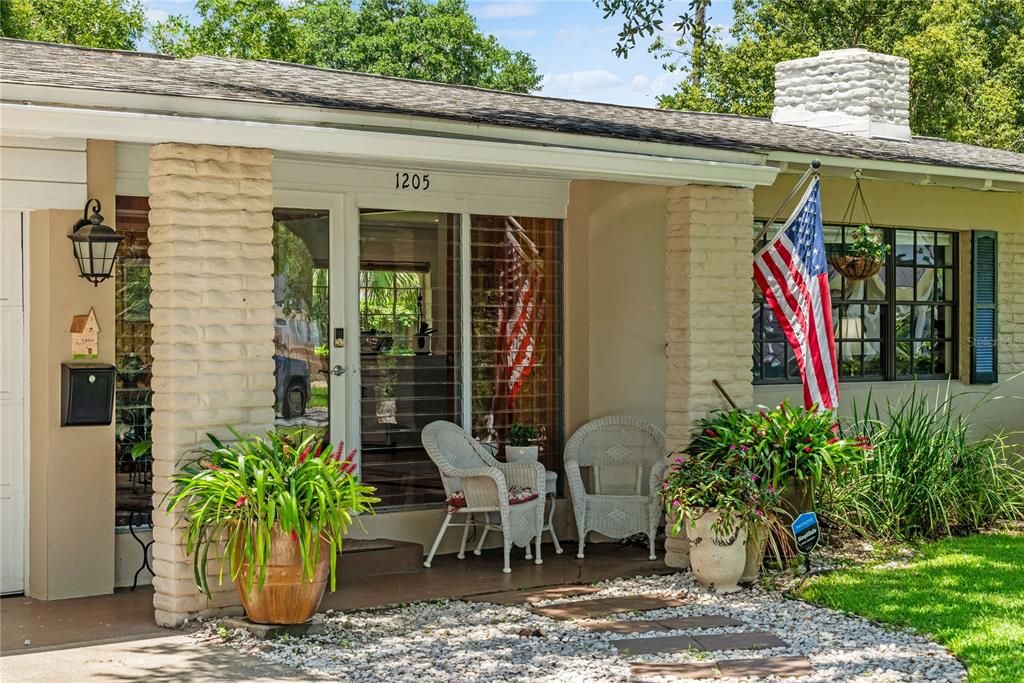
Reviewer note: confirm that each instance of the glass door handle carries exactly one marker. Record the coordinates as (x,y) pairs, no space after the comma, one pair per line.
(338,371)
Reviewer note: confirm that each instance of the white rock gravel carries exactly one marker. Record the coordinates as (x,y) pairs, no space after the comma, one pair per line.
(477,642)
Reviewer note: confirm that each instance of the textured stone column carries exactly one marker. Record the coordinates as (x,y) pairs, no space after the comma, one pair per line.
(708,293)
(213,314)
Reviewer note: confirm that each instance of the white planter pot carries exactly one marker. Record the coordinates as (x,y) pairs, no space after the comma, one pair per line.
(521,453)
(717,562)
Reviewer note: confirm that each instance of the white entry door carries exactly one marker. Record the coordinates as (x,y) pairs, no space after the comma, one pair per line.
(12,406)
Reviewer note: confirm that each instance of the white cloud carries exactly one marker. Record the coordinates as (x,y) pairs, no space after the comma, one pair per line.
(508,10)
(154,16)
(579,83)
(640,83)
(516,34)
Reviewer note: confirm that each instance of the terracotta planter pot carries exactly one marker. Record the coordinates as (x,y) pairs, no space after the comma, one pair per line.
(287,597)
(757,540)
(677,546)
(717,562)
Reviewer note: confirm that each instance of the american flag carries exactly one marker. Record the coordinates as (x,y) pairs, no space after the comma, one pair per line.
(792,272)
(519,316)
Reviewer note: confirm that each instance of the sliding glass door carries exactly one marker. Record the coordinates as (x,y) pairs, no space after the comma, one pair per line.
(409,347)
(459,320)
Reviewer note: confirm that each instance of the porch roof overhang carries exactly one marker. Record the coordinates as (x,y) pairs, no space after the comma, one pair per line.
(46,111)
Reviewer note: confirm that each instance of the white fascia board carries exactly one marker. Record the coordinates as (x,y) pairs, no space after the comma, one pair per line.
(321,116)
(518,158)
(901,167)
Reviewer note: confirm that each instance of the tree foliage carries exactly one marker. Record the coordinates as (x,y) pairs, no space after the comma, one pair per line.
(966,57)
(113,24)
(437,41)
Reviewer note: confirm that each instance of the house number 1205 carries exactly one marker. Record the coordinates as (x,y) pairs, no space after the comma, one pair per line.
(412,181)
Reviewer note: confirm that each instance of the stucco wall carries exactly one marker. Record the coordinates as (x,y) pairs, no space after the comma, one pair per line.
(71,469)
(615,302)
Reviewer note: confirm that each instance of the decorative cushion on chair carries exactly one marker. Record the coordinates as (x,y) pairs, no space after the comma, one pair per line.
(516,495)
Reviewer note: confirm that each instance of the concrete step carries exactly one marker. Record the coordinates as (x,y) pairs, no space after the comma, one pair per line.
(376,556)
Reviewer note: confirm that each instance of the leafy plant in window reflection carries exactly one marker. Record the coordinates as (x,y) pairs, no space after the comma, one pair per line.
(388,305)
(320,308)
(294,263)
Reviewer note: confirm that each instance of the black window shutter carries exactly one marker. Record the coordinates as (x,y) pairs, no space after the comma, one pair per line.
(984,316)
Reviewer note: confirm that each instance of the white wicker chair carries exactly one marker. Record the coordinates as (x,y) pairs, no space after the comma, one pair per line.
(466,466)
(626,459)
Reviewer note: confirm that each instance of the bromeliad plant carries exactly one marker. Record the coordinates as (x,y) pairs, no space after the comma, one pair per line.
(240,493)
(802,443)
(776,445)
(696,484)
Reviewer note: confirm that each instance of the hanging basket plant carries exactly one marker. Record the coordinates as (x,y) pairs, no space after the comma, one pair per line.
(861,257)
(864,251)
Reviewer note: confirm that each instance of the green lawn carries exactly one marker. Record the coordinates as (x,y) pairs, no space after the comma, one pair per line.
(966,593)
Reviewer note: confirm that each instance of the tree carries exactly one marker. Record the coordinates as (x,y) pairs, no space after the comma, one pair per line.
(113,24)
(408,38)
(966,58)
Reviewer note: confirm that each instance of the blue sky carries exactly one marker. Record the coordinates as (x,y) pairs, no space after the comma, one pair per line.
(569,39)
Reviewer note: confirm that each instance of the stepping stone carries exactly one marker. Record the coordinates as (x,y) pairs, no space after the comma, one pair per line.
(533,595)
(682,623)
(769,666)
(755,640)
(623,626)
(732,668)
(653,646)
(652,672)
(707,621)
(602,607)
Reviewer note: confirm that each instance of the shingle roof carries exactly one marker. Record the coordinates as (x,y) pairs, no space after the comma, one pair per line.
(279,83)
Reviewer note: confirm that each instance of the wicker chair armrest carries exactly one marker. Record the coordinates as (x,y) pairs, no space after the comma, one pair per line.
(658,472)
(525,474)
(574,479)
(484,487)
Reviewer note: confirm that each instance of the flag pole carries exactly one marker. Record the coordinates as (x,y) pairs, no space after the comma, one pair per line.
(813,169)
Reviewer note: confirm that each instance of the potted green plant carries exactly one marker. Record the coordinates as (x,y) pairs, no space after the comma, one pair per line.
(797,447)
(521,444)
(715,501)
(863,255)
(721,435)
(280,508)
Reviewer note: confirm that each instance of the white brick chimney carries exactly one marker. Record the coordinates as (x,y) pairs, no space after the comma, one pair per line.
(847,91)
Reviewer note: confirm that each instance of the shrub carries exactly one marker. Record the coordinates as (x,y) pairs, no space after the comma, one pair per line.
(925,476)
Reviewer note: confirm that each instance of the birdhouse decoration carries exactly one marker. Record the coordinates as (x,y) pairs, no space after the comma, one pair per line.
(85,335)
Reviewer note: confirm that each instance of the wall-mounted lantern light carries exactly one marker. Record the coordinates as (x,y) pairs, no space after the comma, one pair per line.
(95,245)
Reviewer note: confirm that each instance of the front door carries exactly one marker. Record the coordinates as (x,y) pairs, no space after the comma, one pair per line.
(12,406)
(310,342)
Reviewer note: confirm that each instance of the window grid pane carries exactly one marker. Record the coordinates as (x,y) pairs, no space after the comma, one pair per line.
(898,324)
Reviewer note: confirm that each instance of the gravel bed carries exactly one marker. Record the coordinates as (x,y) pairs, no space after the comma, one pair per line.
(451,640)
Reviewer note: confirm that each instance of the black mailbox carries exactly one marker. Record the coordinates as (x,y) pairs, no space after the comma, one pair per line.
(86,394)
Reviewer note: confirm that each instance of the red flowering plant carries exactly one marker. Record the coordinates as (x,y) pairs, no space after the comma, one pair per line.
(697,483)
(236,494)
(802,443)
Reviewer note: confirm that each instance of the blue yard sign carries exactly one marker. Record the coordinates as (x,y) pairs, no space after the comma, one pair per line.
(805,531)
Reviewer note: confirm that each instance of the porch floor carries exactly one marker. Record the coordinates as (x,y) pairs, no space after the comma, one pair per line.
(128,615)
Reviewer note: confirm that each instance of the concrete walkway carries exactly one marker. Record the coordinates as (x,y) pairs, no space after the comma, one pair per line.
(169,658)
